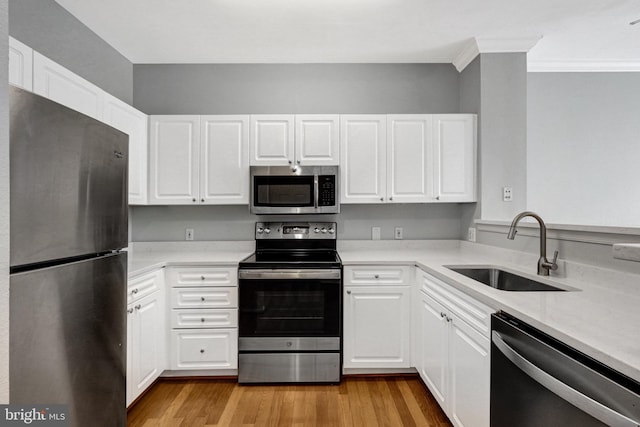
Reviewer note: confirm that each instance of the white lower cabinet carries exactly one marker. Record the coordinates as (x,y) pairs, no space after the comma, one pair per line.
(204,318)
(454,350)
(146,335)
(377,319)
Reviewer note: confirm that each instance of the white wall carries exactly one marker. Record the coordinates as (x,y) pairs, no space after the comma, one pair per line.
(4,206)
(583,149)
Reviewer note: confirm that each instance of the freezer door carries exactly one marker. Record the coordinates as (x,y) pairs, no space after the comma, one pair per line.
(68,182)
(68,339)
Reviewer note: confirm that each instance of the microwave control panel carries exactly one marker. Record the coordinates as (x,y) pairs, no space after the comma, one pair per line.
(326,190)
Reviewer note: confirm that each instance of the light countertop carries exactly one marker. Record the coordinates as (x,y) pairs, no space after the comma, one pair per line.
(601,317)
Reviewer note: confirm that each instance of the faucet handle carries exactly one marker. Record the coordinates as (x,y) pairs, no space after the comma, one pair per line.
(554,263)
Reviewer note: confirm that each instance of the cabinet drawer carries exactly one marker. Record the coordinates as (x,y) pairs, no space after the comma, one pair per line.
(467,308)
(372,275)
(204,297)
(144,285)
(205,318)
(202,276)
(204,349)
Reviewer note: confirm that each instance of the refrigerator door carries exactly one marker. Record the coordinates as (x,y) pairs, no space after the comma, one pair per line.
(68,182)
(68,339)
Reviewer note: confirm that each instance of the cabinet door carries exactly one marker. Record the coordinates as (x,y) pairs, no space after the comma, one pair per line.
(433,352)
(454,142)
(20,64)
(469,367)
(146,338)
(55,82)
(124,117)
(174,152)
(272,140)
(409,158)
(317,140)
(363,158)
(377,327)
(204,349)
(224,160)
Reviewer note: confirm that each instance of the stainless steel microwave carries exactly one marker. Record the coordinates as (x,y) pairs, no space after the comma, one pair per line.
(294,190)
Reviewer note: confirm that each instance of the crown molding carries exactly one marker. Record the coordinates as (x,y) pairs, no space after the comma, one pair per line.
(480,45)
(582,66)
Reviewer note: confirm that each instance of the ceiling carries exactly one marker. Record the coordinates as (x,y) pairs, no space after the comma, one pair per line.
(559,33)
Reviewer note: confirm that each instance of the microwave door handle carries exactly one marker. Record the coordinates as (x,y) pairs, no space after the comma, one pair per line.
(315,191)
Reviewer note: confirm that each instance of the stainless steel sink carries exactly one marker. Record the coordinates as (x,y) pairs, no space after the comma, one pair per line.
(503,280)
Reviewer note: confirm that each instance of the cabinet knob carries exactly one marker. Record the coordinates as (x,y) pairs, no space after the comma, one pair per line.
(202,320)
(202,350)
(201,277)
(437,197)
(377,276)
(442,314)
(194,200)
(348,292)
(390,198)
(202,298)
(298,162)
(130,311)
(290,162)
(138,307)
(202,200)
(382,199)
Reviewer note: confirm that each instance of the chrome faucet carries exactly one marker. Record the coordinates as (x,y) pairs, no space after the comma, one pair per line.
(543,263)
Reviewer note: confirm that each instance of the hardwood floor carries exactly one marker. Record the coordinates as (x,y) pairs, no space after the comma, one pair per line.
(357,401)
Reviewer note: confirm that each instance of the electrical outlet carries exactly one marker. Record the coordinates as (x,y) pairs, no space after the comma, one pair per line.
(189,234)
(471,234)
(507,194)
(398,233)
(375,233)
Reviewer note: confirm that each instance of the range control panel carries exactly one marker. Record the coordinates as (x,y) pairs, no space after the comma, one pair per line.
(295,230)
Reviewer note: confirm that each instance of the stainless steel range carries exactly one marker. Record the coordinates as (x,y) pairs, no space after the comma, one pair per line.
(291,305)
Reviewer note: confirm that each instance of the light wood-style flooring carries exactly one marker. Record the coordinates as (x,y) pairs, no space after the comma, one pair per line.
(357,401)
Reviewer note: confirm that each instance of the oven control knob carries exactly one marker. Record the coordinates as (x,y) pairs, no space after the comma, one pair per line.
(260,230)
(316,230)
(267,230)
(324,230)
(331,231)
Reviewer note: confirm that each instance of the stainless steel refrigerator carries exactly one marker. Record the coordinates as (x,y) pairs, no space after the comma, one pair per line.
(68,273)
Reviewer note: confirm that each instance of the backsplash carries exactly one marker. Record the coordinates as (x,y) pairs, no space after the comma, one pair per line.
(212,223)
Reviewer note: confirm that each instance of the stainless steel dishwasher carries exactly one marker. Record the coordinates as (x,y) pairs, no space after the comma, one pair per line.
(539,381)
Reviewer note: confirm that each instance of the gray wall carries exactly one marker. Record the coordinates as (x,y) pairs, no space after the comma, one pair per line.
(419,221)
(503,132)
(295,88)
(584,147)
(48,28)
(4,206)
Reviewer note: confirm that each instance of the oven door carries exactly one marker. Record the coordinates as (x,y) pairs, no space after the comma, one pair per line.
(289,303)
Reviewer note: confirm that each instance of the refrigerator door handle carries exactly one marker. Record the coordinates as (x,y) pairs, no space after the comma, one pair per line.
(571,395)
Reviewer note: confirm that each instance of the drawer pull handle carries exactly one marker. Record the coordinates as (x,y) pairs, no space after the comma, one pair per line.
(135,291)
(202,350)
(130,311)
(138,307)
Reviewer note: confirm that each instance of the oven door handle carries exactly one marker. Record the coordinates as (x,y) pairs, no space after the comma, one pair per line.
(315,191)
(324,274)
(562,390)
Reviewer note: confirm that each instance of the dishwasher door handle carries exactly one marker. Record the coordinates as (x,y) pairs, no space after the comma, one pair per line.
(592,407)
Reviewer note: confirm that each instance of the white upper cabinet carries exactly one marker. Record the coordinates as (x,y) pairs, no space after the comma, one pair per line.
(454,146)
(224,159)
(317,140)
(363,158)
(20,64)
(199,160)
(281,140)
(409,178)
(124,117)
(55,82)
(174,164)
(272,140)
